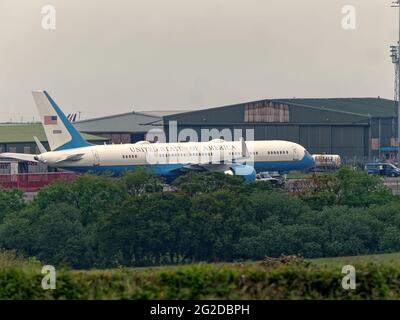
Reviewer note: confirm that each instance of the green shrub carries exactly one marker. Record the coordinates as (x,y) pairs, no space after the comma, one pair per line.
(202,281)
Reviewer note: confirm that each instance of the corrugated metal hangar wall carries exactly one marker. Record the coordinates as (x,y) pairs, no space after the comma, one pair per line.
(358,129)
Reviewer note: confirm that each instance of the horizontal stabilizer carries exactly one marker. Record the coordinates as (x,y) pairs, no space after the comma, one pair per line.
(19,156)
(41,148)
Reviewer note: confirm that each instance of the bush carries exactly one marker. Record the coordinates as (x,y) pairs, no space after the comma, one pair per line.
(11,201)
(348,186)
(207,182)
(55,236)
(91,195)
(296,280)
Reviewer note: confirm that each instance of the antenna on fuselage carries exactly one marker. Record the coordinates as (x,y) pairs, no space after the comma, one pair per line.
(245,152)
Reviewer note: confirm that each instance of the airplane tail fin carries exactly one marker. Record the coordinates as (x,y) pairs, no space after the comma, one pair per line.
(60,133)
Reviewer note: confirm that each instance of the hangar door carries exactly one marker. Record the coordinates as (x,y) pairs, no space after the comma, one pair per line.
(348,141)
(316,139)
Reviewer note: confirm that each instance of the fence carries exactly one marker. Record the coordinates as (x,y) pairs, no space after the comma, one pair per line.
(31,182)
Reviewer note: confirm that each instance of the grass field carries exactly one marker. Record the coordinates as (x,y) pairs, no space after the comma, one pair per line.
(388,258)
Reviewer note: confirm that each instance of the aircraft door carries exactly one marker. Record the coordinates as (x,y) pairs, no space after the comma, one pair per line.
(96,158)
(295,154)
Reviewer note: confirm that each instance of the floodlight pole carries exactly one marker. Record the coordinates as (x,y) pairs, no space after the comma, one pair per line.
(395,54)
(398,90)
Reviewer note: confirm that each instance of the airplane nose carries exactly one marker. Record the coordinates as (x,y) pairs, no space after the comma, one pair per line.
(310,161)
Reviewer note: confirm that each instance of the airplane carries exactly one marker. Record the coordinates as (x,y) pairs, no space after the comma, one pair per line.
(70,151)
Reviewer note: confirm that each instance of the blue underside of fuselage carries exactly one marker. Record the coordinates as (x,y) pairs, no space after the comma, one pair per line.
(172,170)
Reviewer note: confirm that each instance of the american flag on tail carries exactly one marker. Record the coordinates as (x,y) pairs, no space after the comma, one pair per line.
(50,120)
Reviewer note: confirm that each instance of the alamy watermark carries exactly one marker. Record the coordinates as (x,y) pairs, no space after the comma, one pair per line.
(49,280)
(349,280)
(48,17)
(349,20)
(225,145)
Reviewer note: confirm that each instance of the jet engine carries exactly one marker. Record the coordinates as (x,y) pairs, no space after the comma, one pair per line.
(247,172)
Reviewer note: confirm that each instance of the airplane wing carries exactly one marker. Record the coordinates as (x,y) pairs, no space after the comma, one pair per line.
(71,157)
(19,156)
(207,167)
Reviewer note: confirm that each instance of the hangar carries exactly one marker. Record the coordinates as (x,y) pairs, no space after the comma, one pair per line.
(358,129)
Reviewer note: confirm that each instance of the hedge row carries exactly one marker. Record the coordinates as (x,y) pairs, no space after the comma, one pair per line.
(206,281)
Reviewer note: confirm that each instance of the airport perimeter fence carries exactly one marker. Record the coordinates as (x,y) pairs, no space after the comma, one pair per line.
(31,182)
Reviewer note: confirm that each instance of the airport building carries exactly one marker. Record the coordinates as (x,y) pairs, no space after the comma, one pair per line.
(357,129)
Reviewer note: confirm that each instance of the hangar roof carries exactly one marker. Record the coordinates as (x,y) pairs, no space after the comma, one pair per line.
(124,122)
(374,107)
(14,133)
(356,107)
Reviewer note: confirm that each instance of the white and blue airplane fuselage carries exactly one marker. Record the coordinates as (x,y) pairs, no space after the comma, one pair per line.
(71,152)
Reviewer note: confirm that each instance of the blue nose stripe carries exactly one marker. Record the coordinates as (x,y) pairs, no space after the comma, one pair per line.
(309,161)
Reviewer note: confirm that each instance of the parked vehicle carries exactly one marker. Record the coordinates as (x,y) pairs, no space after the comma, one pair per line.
(382,169)
(326,162)
(275,180)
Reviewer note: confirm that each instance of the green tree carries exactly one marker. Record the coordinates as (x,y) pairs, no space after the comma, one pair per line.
(11,201)
(91,195)
(60,237)
(142,181)
(276,206)
(218,219)
(360,189)
(17,232)
(390,240)
(323,191)
(206,182)
(348,186)
(145,230)
(55,235)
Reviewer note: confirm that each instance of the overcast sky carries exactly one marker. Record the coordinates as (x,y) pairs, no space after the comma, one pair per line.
(107,57)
